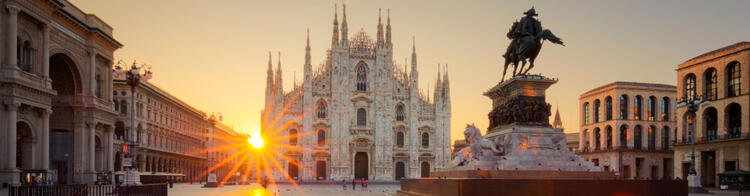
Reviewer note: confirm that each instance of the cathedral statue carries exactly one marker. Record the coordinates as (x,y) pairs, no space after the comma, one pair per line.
(526,40)
(478,148)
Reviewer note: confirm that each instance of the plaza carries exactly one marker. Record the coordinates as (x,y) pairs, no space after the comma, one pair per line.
(284,189)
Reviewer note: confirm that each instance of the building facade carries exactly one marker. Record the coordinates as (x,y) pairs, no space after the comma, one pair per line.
(169,132)
(370,120)
(626,127)
(56,115)
(720,79)
(220,138)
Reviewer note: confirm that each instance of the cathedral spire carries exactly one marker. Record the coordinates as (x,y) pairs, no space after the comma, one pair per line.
(388,30)
(380,30)
(307,50)
(446,85)
(335,40)
(279,86)
(344,30)
(269,79)
(413,54)
(558,122)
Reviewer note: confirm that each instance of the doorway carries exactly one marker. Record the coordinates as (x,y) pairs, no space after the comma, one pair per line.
(425,169)
(708,168)
(360,165)
(400,170)
(293,170)
(320,168)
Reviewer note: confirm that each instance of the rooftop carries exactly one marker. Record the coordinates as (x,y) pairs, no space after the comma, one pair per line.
(717,53)
(636,84)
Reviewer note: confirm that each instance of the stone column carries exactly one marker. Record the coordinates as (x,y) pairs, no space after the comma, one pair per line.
(11,145)
(92,72)
(45,138)
(110,149)
(45,52)
(92,148)
(12,40)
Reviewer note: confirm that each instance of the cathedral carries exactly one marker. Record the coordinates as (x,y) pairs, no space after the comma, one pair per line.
(360,114)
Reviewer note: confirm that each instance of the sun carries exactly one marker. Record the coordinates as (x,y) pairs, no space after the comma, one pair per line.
(256,142)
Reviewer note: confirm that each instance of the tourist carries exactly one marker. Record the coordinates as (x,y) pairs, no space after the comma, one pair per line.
(364,184)
(343,183)
(354,183)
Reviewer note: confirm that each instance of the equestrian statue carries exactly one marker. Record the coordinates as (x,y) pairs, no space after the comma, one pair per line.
(526,40)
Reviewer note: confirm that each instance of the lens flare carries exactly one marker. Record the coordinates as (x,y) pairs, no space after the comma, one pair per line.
(256,141)
(262,156)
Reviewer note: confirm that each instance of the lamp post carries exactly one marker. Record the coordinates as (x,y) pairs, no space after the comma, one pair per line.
(133,77)
(692,103)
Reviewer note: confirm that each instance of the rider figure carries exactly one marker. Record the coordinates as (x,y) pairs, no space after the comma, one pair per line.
(530,26)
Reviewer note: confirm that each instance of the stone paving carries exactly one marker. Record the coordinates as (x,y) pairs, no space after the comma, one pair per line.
(282,189)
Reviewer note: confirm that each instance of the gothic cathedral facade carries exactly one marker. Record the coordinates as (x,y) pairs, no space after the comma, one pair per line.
(359,114)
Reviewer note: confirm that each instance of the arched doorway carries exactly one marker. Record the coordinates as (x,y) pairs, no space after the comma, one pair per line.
(66,80)
(99,157)
(425,169)
(400,170)
(360,165)
(320,168)
(24,145)
(293,170)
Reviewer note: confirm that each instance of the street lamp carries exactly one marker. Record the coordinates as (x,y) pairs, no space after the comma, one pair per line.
(692,103)
(134,76)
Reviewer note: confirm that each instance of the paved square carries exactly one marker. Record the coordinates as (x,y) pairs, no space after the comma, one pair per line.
(282,189)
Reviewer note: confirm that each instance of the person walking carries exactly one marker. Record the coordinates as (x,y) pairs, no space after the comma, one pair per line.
(354,183)
(343,183)
(364,184)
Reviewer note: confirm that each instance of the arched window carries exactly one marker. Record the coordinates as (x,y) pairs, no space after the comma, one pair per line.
(734,120)
(587,113)
(362,77)
(711,123)
(361,117)
(637,137)
(597,138)
(609,137)
(400,139)
(123,107)
(321,137)
(322,109)
(624,107)
(24,61)
(597,111)
(637,107)
(733,79)
(608,107)
(623,136)
(99,85)
(425,140)
(652,138)
(652,108)
(293,137)
(586,142)
(709,84)
(689,86)
(665,109)
(399,112)
(665,138)
(117,105)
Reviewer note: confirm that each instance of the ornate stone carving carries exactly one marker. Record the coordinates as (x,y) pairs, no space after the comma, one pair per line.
(479,149)
(521,110)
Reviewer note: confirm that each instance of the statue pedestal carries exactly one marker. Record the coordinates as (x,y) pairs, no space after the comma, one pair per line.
(519,122)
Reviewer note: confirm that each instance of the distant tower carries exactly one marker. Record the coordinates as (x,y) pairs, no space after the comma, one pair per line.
(557,124)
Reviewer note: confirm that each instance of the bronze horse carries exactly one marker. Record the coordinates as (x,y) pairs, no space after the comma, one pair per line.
(524,47)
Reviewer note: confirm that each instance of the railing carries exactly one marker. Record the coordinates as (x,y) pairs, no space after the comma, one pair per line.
(88,190)
(623,148)
(67,189)
(727,137)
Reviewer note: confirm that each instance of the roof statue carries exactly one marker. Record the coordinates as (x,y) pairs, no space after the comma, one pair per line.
(526,41)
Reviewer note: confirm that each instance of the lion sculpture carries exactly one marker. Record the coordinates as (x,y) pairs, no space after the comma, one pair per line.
(478,148)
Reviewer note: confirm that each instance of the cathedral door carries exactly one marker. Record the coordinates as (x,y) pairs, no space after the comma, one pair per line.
(320,167)
(425,169)
(360,165)
(400,170)
(293,171)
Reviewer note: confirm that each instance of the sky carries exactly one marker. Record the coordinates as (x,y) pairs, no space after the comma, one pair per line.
(213,54)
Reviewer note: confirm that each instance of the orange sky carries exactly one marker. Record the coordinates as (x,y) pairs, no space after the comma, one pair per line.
(213,54)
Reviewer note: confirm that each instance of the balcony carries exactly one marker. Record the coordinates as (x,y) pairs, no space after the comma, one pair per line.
(623,149)
(713,139)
